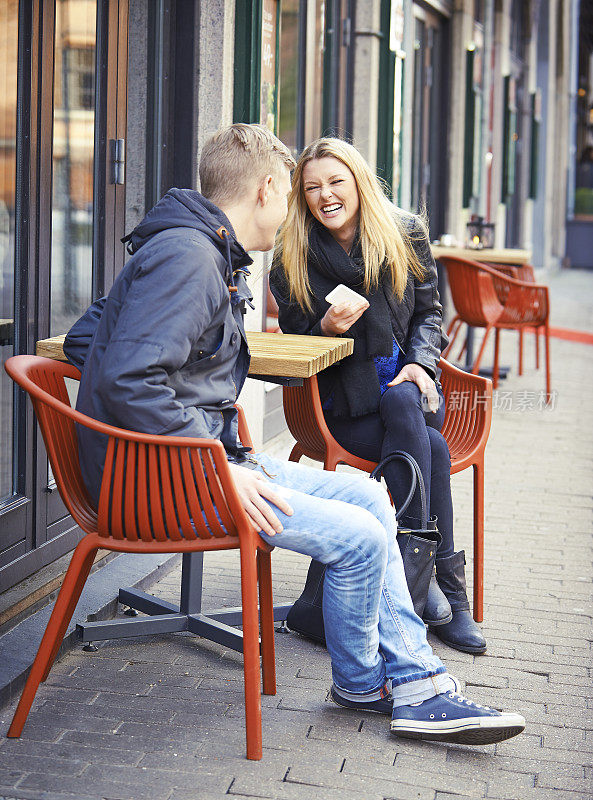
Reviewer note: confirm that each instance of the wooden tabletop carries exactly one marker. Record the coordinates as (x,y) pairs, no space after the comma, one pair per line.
(490,255)
(274,354)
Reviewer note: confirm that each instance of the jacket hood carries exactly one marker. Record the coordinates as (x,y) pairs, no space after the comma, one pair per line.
(186,208)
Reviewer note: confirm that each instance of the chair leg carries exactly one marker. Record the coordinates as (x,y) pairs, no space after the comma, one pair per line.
(496,353)
(251,669)
(61,615)
(520,370)
(296,453)
(455,323)
(478,361)
(266,621)
(463,350)
(547,356)
(537,348)
(82,576)
(479,542)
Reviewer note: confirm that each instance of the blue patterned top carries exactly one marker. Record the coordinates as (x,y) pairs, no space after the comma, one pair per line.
(387,368)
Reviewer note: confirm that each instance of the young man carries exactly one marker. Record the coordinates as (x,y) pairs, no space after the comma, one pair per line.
(169,356)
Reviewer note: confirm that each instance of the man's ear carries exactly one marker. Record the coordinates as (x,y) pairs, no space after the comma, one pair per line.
(263,193)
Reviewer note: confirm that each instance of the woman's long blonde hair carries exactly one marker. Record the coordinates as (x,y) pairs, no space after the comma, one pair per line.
(384,237)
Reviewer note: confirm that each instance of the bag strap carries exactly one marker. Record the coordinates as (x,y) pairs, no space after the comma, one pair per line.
(416,479)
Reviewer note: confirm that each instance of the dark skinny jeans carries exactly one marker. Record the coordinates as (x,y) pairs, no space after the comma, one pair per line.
(403,424)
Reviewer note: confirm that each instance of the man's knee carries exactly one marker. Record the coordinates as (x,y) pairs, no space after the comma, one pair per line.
(375,542)
(372,495)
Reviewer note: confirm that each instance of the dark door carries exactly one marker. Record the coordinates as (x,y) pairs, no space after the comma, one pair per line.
(68,94)
(429,128)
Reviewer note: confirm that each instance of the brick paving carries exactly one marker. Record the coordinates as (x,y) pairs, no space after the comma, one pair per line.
(161,718)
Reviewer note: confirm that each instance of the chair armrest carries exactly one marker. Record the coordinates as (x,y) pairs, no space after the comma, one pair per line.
(244,434)
(468,409)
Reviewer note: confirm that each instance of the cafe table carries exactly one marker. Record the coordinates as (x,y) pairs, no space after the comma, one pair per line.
(506,256)
(281,358)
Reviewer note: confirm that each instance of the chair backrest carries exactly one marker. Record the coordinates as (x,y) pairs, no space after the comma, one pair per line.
(472,289)
(46,378)
(523,301)
(154,488)
(468,415)
(468,410)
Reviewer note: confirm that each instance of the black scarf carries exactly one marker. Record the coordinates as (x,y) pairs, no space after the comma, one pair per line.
(356,389)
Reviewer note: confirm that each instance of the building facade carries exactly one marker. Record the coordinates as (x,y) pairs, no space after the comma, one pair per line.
(464,107)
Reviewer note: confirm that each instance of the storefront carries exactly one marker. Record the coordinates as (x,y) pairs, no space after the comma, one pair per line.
(83,153)
(62,109)
(462,108)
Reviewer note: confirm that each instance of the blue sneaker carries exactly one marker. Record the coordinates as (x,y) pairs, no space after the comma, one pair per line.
(380,702)
(450,717)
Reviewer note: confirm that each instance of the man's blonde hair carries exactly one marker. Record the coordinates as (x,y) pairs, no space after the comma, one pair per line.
(235,156)
(385,231)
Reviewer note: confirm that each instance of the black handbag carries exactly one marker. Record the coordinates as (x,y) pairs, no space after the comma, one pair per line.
(418,549)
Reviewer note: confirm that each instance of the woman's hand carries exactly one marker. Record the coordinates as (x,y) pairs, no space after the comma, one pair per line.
(252,488)
(419,376)
(341,317)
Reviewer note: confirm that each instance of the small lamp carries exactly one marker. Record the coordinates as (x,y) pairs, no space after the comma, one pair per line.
(480,234)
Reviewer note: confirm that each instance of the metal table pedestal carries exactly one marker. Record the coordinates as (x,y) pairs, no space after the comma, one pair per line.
(165,617)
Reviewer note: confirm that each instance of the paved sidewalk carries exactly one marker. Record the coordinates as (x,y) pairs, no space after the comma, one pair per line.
(162,718)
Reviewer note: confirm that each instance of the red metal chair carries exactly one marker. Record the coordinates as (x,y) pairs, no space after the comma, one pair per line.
(466,428)
(485,298)
(159,494)
(521,272)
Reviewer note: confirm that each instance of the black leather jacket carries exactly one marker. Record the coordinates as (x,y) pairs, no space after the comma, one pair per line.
(416,320)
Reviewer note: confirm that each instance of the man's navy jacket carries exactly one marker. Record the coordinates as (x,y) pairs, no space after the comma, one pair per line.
(165,352)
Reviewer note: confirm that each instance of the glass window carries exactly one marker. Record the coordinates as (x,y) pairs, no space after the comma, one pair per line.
(314,69)
(73,148)
(398,90)
(583,198)
(8,103)
(289,70)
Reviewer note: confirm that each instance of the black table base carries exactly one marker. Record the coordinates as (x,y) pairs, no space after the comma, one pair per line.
(164,617)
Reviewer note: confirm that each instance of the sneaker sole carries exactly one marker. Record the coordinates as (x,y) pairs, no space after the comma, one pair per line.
(465,733)
(343,703)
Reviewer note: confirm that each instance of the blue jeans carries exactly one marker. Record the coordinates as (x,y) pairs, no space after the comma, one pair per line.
(347,522)
(403,423)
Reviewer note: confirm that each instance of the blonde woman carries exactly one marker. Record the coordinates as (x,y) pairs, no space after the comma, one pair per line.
(342,229)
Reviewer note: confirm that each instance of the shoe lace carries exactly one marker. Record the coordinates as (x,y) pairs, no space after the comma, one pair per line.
(461,699)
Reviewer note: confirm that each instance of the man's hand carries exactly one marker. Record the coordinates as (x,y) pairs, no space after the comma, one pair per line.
(252,488)
(341,317)
(419,376)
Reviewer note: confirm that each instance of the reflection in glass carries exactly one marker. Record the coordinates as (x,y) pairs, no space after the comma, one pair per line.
(8,98)
(73,147)
(397,130)
(314,69)
(289,40)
